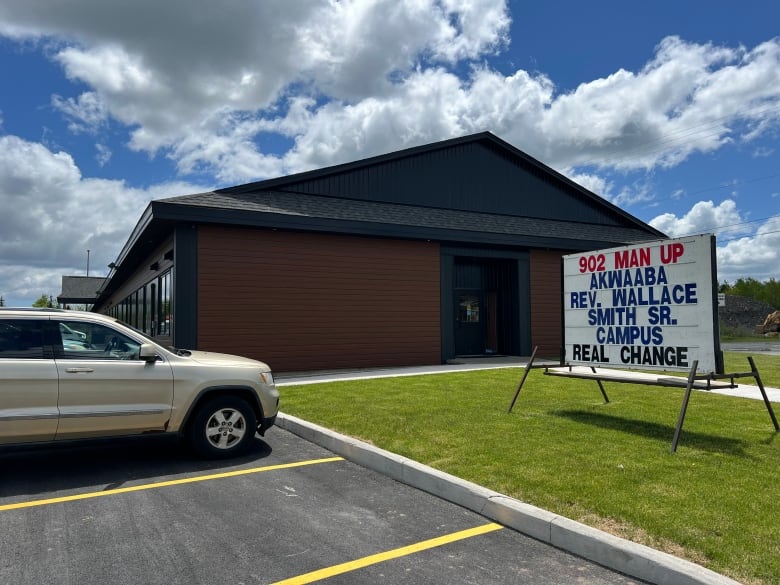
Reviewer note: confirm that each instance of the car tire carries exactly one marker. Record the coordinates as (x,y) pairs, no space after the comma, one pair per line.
(222,427)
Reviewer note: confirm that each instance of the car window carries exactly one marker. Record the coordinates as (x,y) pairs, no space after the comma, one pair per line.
(69,333)
(82,340)
(21,338)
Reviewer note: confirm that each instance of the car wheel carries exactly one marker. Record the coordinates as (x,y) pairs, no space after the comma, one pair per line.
(223,427)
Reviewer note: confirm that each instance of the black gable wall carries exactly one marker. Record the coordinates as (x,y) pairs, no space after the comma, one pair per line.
(479,175)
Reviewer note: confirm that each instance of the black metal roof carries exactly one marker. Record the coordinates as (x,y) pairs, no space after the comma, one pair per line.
(302,211)
(80,289)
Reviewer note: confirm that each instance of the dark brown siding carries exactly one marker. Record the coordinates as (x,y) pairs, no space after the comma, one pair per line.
(546,309)
(305,301)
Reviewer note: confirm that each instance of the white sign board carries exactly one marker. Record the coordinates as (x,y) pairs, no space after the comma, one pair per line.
(646,306)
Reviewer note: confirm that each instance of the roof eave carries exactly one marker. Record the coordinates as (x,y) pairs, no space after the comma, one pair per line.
(222,216)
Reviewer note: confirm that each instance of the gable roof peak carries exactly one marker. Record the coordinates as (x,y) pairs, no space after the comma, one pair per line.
(279,182)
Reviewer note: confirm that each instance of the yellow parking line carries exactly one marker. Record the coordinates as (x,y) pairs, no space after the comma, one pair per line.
(149,486)
(385,556)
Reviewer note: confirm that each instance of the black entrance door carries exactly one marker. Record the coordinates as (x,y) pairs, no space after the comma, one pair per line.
(469,322)
(483,306)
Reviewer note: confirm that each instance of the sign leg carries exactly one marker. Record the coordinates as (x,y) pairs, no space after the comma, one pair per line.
(601,386)
(522,380)
(686,399)
(763,392)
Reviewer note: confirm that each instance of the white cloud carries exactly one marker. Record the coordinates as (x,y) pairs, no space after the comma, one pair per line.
(86,112)
(21,285)
(595,183)
(228,56)
(52,216)
(103,154)
(683,101)
(626,195)
(757,256)
(341,81)
(364,77)
(703,217)
(686,100)
(740,251)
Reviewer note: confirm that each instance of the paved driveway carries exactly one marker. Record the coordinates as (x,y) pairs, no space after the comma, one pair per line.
(765,347)
(146,512)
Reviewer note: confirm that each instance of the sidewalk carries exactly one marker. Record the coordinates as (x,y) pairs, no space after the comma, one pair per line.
(460,365)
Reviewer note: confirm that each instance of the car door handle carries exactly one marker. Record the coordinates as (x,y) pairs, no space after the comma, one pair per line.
(79,370)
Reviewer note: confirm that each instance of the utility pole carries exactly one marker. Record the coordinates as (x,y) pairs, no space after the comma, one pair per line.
(87,262)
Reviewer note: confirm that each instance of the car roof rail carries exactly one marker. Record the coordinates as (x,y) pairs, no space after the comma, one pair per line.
(34,309)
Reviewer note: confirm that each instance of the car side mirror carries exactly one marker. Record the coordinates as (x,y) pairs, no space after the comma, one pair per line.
(148,353)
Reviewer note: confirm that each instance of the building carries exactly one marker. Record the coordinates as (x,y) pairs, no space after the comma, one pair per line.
(79,291)
(410,258)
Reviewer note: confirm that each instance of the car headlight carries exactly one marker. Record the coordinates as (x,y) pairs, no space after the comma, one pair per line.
(267,378)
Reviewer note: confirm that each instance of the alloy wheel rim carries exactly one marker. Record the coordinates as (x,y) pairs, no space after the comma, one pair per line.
(225,428)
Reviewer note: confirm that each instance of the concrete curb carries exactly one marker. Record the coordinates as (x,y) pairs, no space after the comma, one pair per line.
(629,558)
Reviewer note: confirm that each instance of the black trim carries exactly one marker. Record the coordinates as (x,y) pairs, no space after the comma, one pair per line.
(524,300)
(562,350)
(446,295)
(185,287)
(244,392)
(720,366)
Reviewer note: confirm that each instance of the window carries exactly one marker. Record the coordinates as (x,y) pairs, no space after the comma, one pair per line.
(164,307)
(98,342)
(468,308)
(150,320)
(21,339)
(148,309)
(133,317)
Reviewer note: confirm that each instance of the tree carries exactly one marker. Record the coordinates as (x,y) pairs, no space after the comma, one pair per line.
(767,292)
(44,302)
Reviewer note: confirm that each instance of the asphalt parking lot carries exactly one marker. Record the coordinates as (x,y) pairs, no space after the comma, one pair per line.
(148,512)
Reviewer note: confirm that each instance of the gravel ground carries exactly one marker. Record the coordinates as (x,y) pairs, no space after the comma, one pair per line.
(743,314)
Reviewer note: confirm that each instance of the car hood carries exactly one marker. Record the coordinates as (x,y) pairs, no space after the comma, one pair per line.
(211,358)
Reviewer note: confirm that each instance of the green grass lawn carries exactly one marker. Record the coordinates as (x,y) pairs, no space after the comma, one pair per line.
(716,501)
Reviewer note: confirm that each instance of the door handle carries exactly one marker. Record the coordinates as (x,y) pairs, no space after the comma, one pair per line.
(79,370)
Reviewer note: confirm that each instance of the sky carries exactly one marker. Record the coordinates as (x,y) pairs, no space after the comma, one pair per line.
(668,109)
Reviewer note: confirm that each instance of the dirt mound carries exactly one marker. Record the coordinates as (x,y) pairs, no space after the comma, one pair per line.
(771,324)
(743,313)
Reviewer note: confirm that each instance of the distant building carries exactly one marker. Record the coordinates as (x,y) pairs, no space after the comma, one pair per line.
(80,290)
(410,258)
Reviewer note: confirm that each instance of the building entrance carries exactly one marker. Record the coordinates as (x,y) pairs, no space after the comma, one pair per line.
(485,306)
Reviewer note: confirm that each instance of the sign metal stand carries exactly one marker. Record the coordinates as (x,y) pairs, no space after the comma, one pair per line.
(702,382)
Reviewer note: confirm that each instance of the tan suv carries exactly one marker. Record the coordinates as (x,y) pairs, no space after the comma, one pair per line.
(76,375)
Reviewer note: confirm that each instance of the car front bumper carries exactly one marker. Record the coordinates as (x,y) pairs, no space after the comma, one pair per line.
(266,424)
